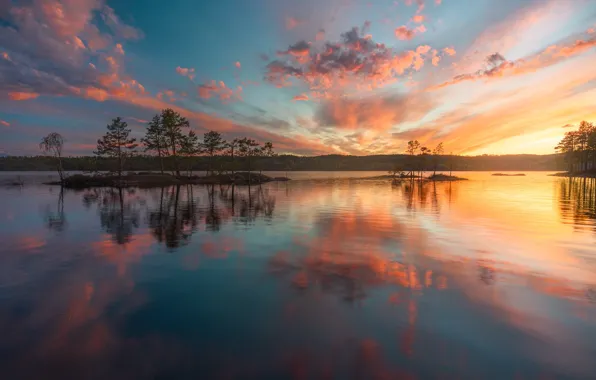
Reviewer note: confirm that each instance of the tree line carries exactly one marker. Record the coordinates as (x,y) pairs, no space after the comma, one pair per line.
(168,137)
(578,148)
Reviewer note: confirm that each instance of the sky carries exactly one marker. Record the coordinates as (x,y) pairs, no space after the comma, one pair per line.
(313,76)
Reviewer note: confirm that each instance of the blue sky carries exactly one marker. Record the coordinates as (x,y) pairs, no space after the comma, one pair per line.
(313,77)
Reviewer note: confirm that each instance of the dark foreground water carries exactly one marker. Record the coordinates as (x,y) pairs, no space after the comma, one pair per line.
(493,278)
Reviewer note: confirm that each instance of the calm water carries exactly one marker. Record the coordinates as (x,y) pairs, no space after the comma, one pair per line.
(493,278)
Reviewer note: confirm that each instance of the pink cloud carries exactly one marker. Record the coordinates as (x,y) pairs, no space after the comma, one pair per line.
(355,63)
(292,22)
(186,72)
(498,66)
(220,90)
(118,49)
(238,65)
(301,97)
(22,95)
(438,2)
(405,33)
(4,123)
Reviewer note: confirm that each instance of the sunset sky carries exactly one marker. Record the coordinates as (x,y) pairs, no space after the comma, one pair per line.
(312,76)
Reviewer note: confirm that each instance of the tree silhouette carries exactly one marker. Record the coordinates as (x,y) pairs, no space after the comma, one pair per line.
(53,144)
(213,144)
(437,152)
(172,123)
(116,143)
(249,149)
(155,139)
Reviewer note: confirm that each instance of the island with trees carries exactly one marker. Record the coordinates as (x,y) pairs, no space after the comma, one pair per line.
(169,138)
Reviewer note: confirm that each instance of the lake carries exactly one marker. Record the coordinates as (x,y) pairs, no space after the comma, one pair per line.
(322,277)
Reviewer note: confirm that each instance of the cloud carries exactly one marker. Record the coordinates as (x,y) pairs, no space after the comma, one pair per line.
(374,113)
(118,49)
(4,123)
(220,90)
(449,51)
(419,19)
(51,45)
(22,95)
(497,66)
(405,33)
(354,62)
(302,97)
(238,65)
(186,72)
(292,23)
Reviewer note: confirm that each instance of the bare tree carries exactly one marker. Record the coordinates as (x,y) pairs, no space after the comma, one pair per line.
(52,144)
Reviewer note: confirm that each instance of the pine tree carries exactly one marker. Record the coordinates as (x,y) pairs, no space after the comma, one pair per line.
(248,148)
(173,123)
(189,147)
(155,139)
(116,143)
(213,144)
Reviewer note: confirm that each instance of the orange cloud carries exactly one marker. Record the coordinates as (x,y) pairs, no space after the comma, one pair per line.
(449,51)
(405,33)
(303,97)
(118,49)
(418,19)
(22,95)
(4,123)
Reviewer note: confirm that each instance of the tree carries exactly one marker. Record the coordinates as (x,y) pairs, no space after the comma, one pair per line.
(213,144)
(52,144)
(412,150)
(267,151)
(189,147)
(424,152)
(248,148)
(231,147)
(116,143)
(438,151)
(155,139)
(173,123)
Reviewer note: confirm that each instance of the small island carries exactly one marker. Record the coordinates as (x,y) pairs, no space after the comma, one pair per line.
(509,174)
(148,179)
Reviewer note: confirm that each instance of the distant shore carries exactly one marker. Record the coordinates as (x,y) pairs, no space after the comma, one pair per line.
(590,174)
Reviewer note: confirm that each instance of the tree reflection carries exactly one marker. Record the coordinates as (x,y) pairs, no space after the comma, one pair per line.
(54,217)
(119,211)
(577,200)
(180,213)
(175,220)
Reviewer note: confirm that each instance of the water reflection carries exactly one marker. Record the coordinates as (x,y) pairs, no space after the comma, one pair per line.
(312,279)
(577,201)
